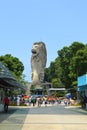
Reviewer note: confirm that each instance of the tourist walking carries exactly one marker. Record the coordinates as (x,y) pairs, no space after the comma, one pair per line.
(6,103)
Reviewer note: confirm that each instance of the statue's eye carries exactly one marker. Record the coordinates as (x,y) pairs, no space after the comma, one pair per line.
(36,46)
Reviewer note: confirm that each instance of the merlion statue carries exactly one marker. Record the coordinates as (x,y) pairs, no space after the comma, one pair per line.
(38,62)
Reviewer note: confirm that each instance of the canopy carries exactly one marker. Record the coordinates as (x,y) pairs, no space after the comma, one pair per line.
(7,80)
(55,89)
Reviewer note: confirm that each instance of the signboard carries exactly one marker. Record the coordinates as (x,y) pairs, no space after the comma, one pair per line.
(82,80)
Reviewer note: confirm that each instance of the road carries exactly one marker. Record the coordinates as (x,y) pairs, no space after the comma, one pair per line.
(43,118)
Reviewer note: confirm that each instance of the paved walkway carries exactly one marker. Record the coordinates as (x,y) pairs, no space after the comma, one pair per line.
(77,109)
(57,121)
(44,118)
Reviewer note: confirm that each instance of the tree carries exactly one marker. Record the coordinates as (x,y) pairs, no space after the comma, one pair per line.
(14,65)
(69,67)
(65,58)
(47,76)
(32,88)
(79,62)
(74,67)
(70,63)
(75,46)
(53,72)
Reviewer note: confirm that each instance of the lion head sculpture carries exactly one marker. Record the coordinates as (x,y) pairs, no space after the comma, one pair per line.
(38,62)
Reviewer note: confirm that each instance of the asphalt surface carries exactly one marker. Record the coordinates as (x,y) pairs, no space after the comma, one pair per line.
(24,118)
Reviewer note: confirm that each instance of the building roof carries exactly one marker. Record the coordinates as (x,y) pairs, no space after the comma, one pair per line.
(7,80)
(55,89)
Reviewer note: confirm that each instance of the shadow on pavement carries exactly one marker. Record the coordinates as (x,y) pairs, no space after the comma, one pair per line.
(13,112)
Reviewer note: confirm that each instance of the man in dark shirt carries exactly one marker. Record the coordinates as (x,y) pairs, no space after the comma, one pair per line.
(6,103)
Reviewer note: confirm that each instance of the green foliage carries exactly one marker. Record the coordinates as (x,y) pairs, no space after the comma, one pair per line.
(14,65)
(56,83)
(47,76)
(70,63)
(65,58)
(58,93)
(32,89)
(44,90)
(80,62)
(75,46)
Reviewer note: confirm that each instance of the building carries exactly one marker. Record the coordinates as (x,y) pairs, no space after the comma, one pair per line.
(7,81)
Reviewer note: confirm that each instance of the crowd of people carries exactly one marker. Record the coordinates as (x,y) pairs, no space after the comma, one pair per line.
(24,100)
(34,100)
(31,100)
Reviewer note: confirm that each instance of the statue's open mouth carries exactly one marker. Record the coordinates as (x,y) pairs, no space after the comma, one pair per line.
(34,52)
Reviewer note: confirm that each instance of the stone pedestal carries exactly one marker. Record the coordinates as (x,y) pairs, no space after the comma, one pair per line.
(38,90)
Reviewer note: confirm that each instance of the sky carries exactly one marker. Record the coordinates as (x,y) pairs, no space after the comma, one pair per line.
(57,23)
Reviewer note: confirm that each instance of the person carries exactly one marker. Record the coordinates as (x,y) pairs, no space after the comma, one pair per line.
(29,101)
(46,102)
(6,103)
(34,101)
(18,101)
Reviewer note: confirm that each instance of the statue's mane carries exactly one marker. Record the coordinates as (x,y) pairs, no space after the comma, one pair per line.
(42,55)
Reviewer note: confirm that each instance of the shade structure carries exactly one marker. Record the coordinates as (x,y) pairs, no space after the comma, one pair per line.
(7,80)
